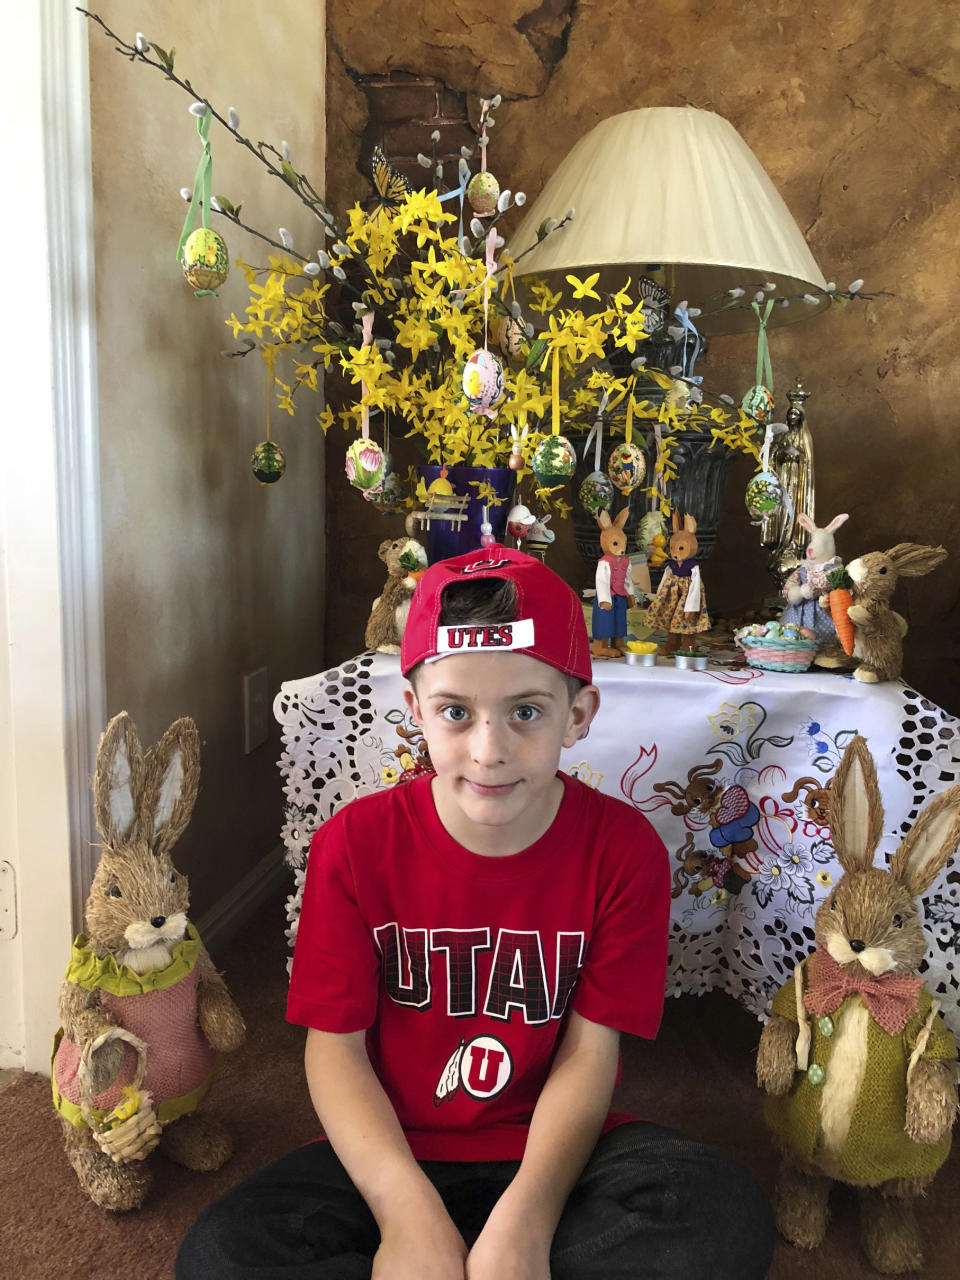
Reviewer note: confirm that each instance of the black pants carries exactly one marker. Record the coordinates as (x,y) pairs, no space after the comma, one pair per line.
(649,1203)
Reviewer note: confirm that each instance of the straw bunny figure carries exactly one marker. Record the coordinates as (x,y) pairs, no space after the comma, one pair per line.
(859,1068)
(808,582)
(878,629)
(614,583)
(406,561)
(143,1012)
(680,606)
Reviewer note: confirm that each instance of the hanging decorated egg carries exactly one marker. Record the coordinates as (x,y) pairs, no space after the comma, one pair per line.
(392,493)
(764,496)
(206,263)
(483,192)
(596,493)
(554,461)
(268,463)
(483,381)
(758,403)
(626,466)
(364,465)
(520,520)
(511,336)
(652,526)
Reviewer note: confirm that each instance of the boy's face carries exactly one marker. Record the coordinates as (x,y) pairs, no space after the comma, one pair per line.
(495,725)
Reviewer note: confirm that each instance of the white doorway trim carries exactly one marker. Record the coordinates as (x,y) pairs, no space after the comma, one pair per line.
(70,236)
(52,685)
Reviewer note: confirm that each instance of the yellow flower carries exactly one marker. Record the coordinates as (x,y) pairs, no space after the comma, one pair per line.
(621,299)
(389,776)
(824,878)
(541,299)
(417,333)
(584,288)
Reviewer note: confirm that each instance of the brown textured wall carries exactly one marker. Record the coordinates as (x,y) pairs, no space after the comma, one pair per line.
(853,111)
(207,575)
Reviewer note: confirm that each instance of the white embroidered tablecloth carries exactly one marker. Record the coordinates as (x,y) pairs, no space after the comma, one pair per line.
(740,754)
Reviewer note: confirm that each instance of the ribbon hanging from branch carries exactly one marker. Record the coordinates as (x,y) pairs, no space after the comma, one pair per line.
(367,327)
(200,200)
(764,367)
(491,266)
(596,431)
(691,344)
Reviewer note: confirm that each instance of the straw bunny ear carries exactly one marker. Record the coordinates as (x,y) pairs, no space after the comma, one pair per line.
(118,781)
(856,811)
(929,844)
(171,785)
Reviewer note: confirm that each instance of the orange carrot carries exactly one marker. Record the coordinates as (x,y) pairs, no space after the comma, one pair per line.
(841,598)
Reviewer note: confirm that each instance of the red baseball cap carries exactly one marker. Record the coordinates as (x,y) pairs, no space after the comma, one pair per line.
(549,622)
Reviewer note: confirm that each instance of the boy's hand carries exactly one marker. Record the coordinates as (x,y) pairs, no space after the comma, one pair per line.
(510,1247)
(420,1247)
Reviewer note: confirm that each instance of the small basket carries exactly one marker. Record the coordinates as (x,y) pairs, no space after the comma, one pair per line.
(123,1140)
(778,653)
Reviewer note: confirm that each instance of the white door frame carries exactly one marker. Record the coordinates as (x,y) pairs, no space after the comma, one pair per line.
(52,669)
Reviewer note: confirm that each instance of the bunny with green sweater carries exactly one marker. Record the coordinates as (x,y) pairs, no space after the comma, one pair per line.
(143,1012)
(858,1066)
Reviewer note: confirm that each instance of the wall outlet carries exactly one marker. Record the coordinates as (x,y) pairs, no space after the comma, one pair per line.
(8,901)
(256,709)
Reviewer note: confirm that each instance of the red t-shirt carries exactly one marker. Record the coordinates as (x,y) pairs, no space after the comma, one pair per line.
(460,966)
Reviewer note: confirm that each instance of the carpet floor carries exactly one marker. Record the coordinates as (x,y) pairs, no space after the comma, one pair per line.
(697,1076)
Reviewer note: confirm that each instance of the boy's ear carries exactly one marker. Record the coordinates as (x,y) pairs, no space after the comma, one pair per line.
(413,705)
(583,708)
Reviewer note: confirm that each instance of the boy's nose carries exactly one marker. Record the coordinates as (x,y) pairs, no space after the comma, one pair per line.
(487,743)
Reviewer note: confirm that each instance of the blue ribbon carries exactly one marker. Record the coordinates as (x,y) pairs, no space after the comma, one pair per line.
(460,191)
(687,361)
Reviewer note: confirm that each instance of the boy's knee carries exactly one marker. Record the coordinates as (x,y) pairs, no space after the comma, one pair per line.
(201,1252)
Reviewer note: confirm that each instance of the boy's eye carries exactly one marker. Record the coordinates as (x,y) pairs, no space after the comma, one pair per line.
(454,713)
(527,712)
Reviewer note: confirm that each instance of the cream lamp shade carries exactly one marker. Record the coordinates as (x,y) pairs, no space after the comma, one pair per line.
(673,193)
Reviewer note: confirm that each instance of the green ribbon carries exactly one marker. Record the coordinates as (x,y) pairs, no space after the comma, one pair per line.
(201,187)
(764,367)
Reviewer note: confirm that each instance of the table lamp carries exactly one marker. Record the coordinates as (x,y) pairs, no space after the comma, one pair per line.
(673,193)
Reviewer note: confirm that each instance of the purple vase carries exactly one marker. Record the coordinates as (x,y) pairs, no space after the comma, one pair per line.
(444,539)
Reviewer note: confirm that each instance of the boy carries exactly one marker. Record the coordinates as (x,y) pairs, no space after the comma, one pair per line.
(471,944)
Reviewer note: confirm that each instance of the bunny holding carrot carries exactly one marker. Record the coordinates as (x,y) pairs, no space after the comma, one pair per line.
(878,630)
(808,582)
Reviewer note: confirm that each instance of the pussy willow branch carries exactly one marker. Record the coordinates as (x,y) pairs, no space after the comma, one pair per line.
(303,190)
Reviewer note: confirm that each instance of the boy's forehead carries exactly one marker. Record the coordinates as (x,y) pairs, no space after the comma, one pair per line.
(499,674)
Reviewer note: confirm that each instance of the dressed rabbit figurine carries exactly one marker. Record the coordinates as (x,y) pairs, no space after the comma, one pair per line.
(614,583)
(140,994)
(857,1064)
(878,629)
(808,582)
(680,606)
